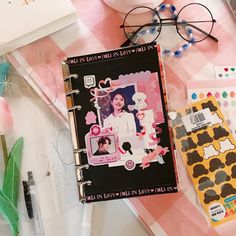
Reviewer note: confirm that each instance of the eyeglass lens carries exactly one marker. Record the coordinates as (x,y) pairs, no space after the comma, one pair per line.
(138,26)
(193,19)
(196,18)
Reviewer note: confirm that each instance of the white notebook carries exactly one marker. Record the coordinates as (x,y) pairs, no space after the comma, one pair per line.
(232,4)
(24,21)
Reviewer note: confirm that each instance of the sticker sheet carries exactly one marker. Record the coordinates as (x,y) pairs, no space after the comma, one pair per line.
(225,72)
(224,92)
(208,149)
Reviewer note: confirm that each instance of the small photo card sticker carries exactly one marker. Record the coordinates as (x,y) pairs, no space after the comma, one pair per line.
(89,81)
(197,120)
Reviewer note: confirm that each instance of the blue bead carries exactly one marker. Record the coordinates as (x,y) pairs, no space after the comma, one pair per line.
(192,41)
(142,32)
(172,8)
(166,52)
(162,7)
(189,31)
(178,53)
(173,16)
(185,46)
(153,30)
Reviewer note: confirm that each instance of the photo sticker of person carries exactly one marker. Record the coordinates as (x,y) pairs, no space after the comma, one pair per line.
(115,113)
(103,145)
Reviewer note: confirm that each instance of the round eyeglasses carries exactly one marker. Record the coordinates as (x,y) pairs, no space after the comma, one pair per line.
(194,23)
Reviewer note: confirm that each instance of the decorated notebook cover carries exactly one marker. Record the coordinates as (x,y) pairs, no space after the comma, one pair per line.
(122,131)
(208,150)
(224,92)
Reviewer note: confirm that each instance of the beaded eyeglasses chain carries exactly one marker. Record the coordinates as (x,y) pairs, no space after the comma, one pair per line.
(166,52)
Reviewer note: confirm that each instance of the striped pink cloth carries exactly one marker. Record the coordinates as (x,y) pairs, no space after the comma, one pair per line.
(97,29)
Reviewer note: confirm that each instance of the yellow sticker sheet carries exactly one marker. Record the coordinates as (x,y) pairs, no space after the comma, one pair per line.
(208,149)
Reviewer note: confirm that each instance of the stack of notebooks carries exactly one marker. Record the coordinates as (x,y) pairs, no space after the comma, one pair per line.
(29,20)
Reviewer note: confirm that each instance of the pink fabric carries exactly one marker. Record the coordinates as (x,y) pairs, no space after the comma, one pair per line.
(98,29)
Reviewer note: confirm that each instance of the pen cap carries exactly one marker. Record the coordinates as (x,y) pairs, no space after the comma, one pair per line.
(30,178)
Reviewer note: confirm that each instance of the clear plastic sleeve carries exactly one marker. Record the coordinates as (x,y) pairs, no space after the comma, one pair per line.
(38,184)
(207,147)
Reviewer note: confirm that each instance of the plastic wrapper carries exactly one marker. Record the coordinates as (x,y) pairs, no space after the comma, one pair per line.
(38,182)
(207,147)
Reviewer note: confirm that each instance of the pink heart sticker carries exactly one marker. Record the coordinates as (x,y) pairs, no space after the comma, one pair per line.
(140,115)
(131,107)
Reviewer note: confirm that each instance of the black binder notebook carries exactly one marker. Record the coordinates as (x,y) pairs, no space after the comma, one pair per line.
(117,111)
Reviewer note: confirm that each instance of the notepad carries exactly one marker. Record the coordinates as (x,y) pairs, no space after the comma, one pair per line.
(117,111)
(24,21)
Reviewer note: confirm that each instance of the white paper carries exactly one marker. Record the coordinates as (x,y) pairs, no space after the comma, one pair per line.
(24,21)
(198,120)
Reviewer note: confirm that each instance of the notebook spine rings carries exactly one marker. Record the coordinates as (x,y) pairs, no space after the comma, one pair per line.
(71,76)
(82,182)
(77,151)
(72,92)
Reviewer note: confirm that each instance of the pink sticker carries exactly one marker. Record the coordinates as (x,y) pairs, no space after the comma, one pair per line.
(217,95)
(95,130)
(153,155)
(209,94)
(226,104)
(146,83)
(140,115)
(90,118)
(201,95)
(229,122)
(232,94)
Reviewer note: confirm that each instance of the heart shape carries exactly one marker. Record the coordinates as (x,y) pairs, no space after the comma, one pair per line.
(131,107)
(140,115)
(209,94)
(232,69)
(93,92)
(105,83)
(226,69)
